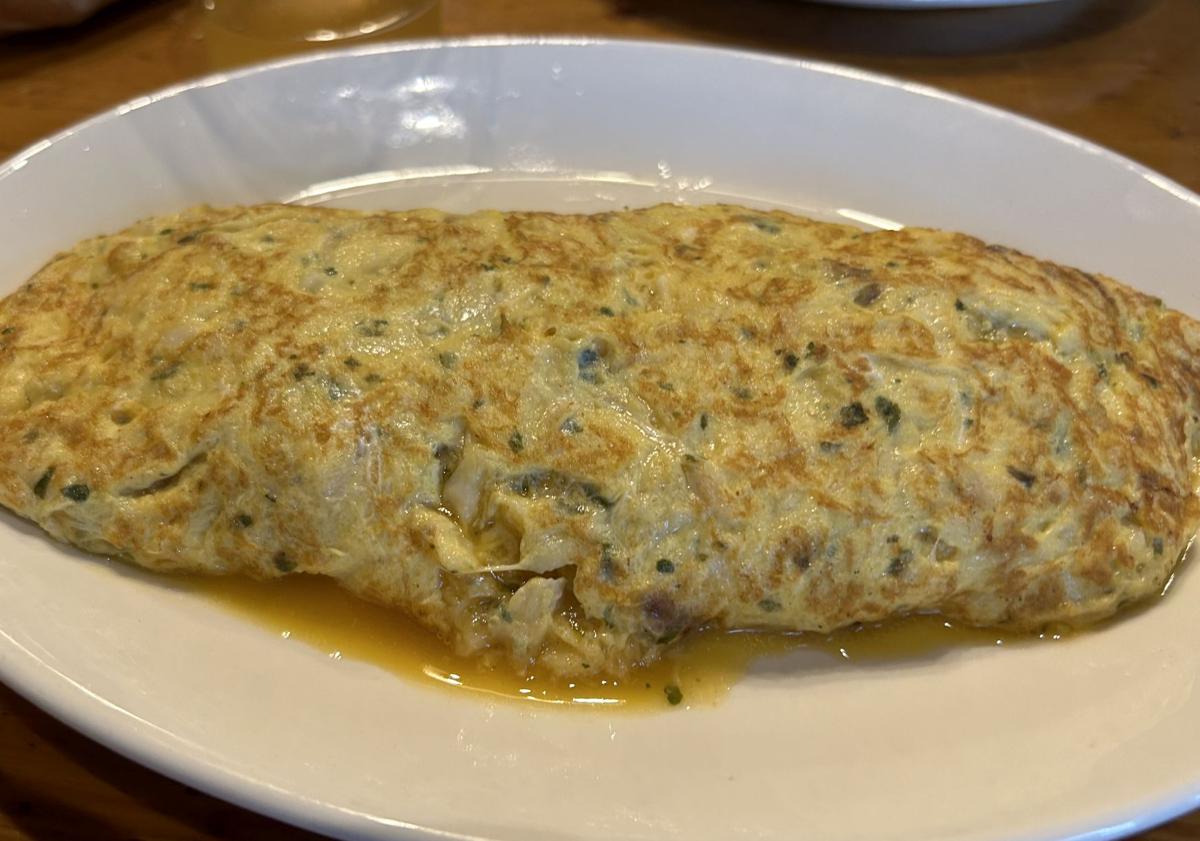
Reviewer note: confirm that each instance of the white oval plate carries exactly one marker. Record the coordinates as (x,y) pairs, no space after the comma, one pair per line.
(1094,737)
(931,4)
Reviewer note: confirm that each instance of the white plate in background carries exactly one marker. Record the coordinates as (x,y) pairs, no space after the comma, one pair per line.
(931,4)
(1093,737)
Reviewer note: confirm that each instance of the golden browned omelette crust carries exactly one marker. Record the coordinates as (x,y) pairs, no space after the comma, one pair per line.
(570,439)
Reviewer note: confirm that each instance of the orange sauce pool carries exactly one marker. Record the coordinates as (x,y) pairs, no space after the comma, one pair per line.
(699,671)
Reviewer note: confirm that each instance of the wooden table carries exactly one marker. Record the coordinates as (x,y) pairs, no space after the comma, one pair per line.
(1125,73)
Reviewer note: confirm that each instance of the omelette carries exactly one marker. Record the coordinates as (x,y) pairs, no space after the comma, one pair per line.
(567,441)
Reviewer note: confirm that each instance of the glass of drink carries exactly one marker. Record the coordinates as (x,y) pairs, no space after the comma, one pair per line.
(237,32)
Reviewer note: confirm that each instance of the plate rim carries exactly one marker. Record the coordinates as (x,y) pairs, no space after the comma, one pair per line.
(143,742)
(828,68)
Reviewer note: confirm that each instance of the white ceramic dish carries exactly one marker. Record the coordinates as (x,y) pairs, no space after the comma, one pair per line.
(1090,738)
(932,4)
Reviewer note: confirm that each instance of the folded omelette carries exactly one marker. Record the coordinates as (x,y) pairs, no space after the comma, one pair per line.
(570,440)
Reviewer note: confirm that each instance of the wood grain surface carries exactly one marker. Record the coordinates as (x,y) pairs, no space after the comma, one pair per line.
(1124,73)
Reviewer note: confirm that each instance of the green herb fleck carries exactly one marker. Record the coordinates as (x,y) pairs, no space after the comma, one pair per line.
(607,311)
(769,605)
(704,420)
(790,361)
(571,427)
(447,359)
(7,331)
(673,693)
(889,411)
(200,286)
(959,305)
(587,359)
(1157,543)
(43,482)
(516,442)
(282,562)
(243,521)
(351,362)
(301,371)
(331,271)
(742,393)
(504,614)
(1025,478)
(830,446)
(372,329)
(899,563)
(77,492)
(852,415)
(165,372)
(664,566)
(868,294)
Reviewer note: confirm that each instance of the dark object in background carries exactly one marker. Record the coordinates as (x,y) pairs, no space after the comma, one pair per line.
(841,33)
(18,15)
